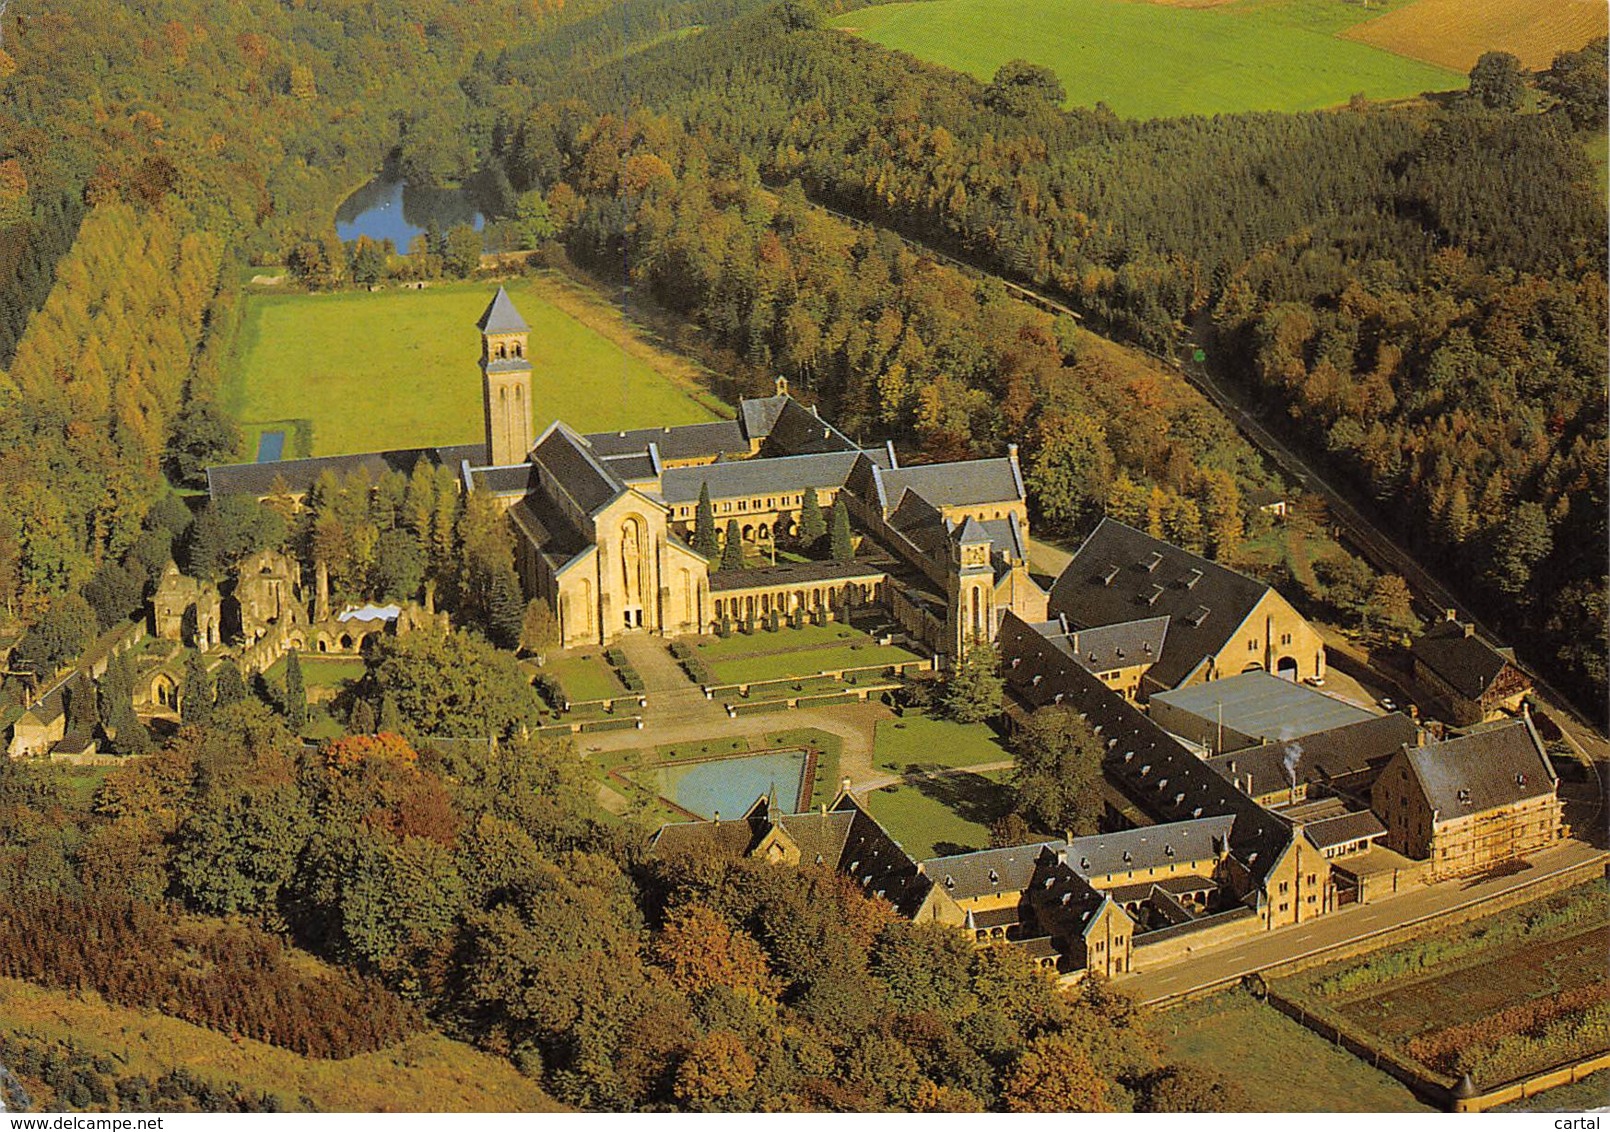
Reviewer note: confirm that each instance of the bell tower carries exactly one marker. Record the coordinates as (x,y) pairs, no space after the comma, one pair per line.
(505,382)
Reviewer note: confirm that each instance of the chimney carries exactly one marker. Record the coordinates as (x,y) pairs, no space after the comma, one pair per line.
(1011,451)
(844,784)
(717,817)
(1470,628)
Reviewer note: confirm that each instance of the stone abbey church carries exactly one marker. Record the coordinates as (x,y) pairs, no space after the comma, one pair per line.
(604,522)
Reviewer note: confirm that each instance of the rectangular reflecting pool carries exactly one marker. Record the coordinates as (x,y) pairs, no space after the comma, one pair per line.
(731,785)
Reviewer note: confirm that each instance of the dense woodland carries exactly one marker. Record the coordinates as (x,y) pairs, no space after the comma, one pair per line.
(1418,288)
(1421,287)
(473,882)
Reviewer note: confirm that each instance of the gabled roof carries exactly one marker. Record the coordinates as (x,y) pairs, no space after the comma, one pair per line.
(500,317)
(778,475)
(507,479)
(1106,647)
(1322,757)
(731,839)
(1007,536)
(1066,905)
(1343,828)
(962,483)
(759,414)
(1120,573)
(965,876)
(796,431)
(1163,777)
(820,837)
(970,533)
(1463,659)
(679,442)
(1495,766)
(1154,846)
(876,862)
(569,462)
(299,476)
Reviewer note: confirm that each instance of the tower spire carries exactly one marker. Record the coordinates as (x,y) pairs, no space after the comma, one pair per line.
(505,381)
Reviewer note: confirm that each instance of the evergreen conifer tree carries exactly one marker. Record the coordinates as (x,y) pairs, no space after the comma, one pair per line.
(705,539)
(362,719)
(82,716)
(195,692)
(390,718)
(732,554)
(231,685)
(812,524)
(295,692)
(505,612)
(843,544)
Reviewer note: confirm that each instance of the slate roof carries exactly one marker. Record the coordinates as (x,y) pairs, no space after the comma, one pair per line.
(1007,536)
(681,442)
(796,431)
(1153,846)
(963,483)
(759,414)
(1468,663)
(1159,774)
(555,539)
(966,876)
(633,469)
(1120,573)
(500,317)
(1344,828)
(1263,706)
(879,865)
(507,479)
(300,475)
(1496,766)
(821,837)
(1065,903)
(568,461)
(1322,757)
(777,475)
(1107,647)
(796,573)
(730,838)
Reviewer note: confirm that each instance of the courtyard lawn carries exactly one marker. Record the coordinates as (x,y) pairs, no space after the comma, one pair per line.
(585,676)
(763,643)
(1282,1066)
(946,814)
(319,671)
(398,368)
(1162,60)
(919,742)
(807,662)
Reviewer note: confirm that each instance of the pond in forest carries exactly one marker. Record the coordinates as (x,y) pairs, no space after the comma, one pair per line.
(393,209)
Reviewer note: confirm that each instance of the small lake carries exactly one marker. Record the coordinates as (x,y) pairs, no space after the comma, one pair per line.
(387,209)
(730,786)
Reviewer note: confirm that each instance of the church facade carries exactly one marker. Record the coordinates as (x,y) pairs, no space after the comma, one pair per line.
(604,522)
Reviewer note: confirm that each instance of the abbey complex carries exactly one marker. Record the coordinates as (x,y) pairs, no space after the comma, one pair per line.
(1241,797)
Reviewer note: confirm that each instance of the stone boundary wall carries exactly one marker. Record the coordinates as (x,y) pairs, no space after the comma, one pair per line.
(1523,1087)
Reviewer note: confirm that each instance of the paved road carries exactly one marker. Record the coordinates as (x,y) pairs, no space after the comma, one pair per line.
(1193,970)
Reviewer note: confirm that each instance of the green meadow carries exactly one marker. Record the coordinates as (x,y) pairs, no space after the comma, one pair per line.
(399,368)
(1159,61)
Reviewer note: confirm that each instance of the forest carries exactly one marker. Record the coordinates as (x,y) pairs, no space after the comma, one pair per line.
(1419,287)
(471,888)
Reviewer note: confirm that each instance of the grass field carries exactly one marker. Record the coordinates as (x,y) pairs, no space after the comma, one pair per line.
(947,814)
(424,1073)
(585,676)
(1283,1066)
(919,742)
(320,671)
(1158,61)
(397,369)
(791,654)
(1455,33)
